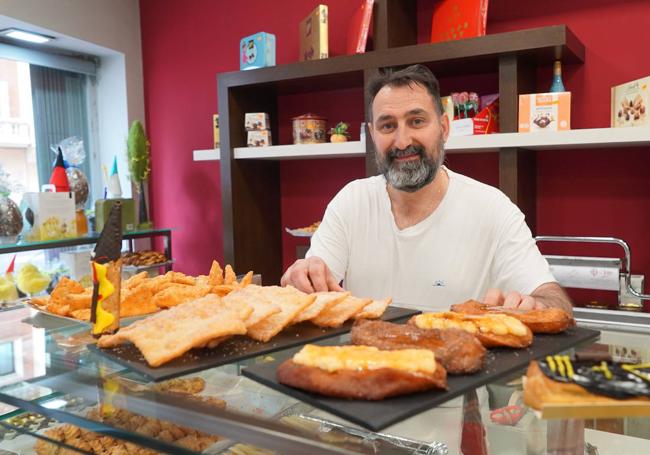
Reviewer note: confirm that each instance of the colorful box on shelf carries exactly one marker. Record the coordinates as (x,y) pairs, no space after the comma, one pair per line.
(313,35)
(256,121)
(103,209)
(261,138)
(486,121)
(49,216)
(257,51)
(541,112)
(458,19)
(630,104)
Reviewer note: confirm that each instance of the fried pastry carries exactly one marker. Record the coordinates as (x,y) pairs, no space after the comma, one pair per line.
(180,293)
(458,351)
(337,314)
(98,444)
(374,309)
(185,386)
(324,300)
(362,372)
(250,296)
(169,334)
(291,302)
(137,301)
(547,320)
(492,330)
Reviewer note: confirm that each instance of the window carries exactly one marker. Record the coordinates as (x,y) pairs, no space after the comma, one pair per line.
(40,105)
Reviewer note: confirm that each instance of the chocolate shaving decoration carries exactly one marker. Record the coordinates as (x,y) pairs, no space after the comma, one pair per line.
(608,378)
(109,245)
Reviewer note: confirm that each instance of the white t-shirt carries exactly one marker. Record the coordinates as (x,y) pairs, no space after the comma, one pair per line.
(476,239)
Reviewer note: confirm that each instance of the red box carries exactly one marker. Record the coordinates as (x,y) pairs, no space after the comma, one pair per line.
(458,19)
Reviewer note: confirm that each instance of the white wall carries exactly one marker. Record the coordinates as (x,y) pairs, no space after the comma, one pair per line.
(109,29)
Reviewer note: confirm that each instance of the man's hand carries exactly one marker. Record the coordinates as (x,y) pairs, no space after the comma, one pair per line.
(545,296)
(310,275)
(513,299)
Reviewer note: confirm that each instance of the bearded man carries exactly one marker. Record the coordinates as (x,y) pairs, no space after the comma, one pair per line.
(419,232)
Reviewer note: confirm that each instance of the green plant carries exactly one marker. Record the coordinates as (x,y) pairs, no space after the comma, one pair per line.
(139,157)
(138,153)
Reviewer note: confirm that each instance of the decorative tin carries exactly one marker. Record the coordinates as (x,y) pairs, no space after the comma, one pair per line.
(309,129)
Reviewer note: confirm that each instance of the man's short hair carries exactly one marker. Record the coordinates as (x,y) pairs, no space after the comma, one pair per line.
(414,74)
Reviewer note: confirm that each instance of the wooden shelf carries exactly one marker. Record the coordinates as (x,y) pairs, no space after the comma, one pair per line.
(207,155)
(560,140)
(251,178)
(540,46)
(352,149)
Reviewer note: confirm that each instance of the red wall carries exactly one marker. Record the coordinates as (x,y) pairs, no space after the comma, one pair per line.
(603,192)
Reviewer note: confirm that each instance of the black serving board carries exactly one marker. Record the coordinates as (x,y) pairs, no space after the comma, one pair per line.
(234,349)
(377,415)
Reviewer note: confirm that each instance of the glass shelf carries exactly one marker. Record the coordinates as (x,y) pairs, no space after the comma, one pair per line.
(24,245)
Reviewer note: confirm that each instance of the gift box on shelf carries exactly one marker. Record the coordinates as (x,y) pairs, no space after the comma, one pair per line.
(485,121)
(541,112)
(49,216)
(261,138)
(630,104)
(257,51)
(255,121)
(103,209)
(458,19)
(313,35)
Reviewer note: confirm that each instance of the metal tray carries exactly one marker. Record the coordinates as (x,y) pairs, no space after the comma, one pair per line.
(45,319)
(377,415)
(234,349)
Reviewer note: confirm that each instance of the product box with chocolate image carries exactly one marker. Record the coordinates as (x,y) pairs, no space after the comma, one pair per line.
(630,103)
(259,138)
(541,112)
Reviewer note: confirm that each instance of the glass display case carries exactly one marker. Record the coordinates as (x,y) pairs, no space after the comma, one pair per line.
(55,394)
(70,257)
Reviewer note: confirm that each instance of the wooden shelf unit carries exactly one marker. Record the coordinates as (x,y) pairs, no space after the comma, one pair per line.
(250,188)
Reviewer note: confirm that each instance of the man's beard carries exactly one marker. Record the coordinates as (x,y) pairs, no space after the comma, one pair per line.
(411,175)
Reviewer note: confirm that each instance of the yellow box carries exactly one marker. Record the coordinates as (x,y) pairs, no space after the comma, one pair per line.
(215,129)
(314,35)
(630,104)
(541,112)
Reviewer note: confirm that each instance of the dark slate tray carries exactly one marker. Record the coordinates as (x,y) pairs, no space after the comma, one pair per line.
(235,349)
(377,415)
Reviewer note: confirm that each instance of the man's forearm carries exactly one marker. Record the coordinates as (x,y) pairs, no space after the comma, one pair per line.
(552,295)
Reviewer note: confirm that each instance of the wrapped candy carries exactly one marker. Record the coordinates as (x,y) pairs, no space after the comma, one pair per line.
(78,185)
(73,156)
(11,220)
(466,104)
(73,150)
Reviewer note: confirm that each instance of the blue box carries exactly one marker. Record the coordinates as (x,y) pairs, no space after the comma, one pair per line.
(257,51)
